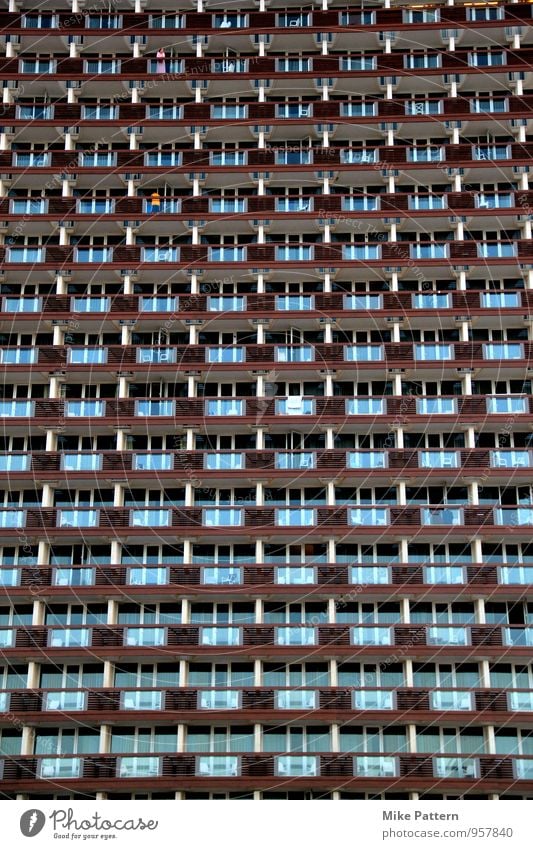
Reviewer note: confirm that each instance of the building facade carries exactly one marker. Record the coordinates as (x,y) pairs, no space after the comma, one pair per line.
(266,319)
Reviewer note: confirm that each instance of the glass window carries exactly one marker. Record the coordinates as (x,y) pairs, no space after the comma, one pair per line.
(375,766)
(295,517)
(220,636)
(372,636)
(295,405)
(147,575)
(142,767)
(219,699)
(451,700)
(222,517)
(60,768)
(369,516)
(295,575)
(300,635)
(365,406)
(222,575)
(217,765)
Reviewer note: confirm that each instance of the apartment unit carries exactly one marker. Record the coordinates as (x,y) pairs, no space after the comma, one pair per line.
(266,325)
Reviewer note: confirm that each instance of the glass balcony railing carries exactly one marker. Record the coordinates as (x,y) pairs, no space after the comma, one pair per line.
(143,576)
(29,206)
(370,575)
(451,700)
(159,112)
(354,203)
(23,305)
(161,253)
(513,516)
(90,305)
(217,766)
(373,700)
(12,518)
(80,462)
(83,518)
(156,355)
(295,517)
(368,516)
(150,518)
(296,699)
(375,766)
(296,461)
(141,700)
(226,303)
(153,462)
(96,254)
(363,302)
(363,353)
(159,303)
(444,575)
(428,351)
(371,635)
(297,575)
(447,635)
(225,354)
(362,156)
(85,409)
(500,300)
(60,768)
(18,356)
(17,409)
(294,354)
(510,459)
(219,699)
(294,204)
(7,638)
(145,636)
(503,351)
(522,575)
(106,159)
(87,356)
(507,404)
(65,701)
(442,516)
(220,636)
(69,637)
(67,577)
(496,250)
(520,702)
(96,206)
(222,517)
(225,575)
(360,253)
(295,405)
(365,406)
(225,461)
(228,158)
(296,303)
(228,253)
(25,254)
(133,767)
(294,253)
(15,462)
(223,407)
(147,407)
(296,635)
(456,768)
(422,202)
(439,459)
(432,301)
(9,577)
(436,406)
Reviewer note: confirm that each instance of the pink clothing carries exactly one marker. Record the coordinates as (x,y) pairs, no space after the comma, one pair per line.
(161,64)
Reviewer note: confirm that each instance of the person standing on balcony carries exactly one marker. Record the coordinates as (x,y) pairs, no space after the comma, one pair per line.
(161,66)
(155,200)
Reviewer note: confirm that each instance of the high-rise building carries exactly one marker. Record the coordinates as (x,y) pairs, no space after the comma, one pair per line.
(266,321)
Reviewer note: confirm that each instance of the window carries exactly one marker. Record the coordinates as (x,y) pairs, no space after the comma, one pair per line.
(361,109)
(444,575)
(102,159)
(153,462)
(96,206)
(227,205)
(513,516)
(155,408)
(294,19)
(229,111)
(29,206)
(423,107)
(160,253)
(489,104)
(416,62)
(294,354)
(500,300)
(294,253)
(502,404)
(86,356)
(18,356)
(503,351)
(224,461)
(364,203)
(436,406)
(102,66)
(101,112)
(442,516)
(228,158)
(16,409)
(35,112)
(141,700)
(219,699)
(89,305)
(229,354)
(358,63)
(14,462)
(69,637)
(294,302)
(295,460)
(227,253)
(362,302)
(295,405)
(98,254)
(143,767)
(496,250)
